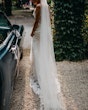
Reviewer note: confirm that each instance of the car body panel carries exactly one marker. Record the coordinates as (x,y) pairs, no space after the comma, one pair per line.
(10,37)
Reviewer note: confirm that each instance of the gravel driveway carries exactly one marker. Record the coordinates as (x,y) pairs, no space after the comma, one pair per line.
(73,76)
(23,98)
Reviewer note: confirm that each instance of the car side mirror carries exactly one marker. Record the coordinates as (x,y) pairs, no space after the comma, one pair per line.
(20,29)
(17,34)
(14,26)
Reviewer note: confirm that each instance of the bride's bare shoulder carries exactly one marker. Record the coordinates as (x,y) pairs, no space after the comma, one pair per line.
(38,8)
(38,5)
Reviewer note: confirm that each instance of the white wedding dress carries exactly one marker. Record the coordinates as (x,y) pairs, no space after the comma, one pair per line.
(35,44)
(44,79)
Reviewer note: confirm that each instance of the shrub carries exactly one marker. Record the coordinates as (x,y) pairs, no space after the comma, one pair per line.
(68,20)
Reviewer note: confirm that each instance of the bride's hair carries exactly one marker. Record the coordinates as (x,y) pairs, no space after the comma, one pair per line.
(38,1)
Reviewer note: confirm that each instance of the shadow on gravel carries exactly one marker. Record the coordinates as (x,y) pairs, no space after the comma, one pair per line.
(17,100)
(23,97)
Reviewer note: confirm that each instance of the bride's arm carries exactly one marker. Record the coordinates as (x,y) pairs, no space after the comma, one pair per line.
(37,19)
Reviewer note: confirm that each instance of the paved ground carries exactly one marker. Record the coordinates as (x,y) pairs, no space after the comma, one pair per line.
(73,76)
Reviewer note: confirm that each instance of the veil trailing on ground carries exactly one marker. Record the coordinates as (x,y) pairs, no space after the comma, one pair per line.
(47,68)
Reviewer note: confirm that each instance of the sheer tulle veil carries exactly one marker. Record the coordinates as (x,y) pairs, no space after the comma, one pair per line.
(47,75)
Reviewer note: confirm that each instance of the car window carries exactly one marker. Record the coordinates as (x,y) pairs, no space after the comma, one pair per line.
(1,38)
(4,21)
(5,27)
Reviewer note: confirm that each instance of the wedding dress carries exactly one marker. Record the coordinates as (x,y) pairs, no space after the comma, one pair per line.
(44,72)
(34,58)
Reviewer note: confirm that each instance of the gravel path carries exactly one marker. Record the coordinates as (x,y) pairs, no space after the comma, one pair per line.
(23,97)
(73,76)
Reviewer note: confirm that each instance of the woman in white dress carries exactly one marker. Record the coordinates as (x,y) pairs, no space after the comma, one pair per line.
(36,42)
(44,67)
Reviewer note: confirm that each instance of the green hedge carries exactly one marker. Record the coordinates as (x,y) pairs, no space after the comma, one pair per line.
(69,41)
(49,1)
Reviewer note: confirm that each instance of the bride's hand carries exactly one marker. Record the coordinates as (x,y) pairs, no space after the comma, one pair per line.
(32,34)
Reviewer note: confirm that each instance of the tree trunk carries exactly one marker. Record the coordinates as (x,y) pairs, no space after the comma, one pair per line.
(8,7)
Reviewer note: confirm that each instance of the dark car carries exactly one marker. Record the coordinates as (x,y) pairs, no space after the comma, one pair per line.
(10,55)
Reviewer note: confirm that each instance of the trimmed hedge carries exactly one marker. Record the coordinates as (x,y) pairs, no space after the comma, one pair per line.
(69,41)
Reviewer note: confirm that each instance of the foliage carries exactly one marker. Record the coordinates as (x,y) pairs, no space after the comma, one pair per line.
(8,7)
(68,20)
(49,1)
(85,28)
(85,25)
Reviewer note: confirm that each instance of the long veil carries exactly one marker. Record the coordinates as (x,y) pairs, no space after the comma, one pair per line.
(47,75)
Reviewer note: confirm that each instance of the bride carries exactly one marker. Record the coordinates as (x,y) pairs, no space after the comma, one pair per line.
(43,61)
